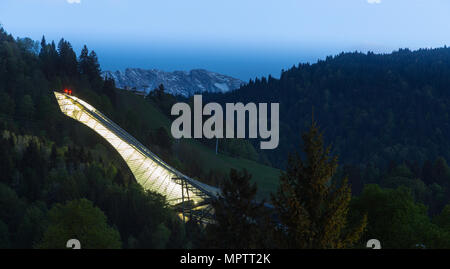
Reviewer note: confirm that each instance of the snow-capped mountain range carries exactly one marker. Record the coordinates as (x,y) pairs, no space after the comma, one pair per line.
(177,82)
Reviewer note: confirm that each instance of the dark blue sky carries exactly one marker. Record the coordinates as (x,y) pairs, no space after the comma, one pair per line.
(242,38)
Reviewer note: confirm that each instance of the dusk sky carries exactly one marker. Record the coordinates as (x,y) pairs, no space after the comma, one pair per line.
(242,38)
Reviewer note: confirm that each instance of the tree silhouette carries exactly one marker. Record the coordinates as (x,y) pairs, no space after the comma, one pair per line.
(240,220)
(312,207)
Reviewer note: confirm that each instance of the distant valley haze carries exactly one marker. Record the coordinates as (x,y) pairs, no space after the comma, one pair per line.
(242,39)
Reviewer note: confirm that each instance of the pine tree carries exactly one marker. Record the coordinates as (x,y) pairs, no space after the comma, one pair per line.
(313,207)
(94,66)
(43,51)
(90,67)
(83,61)
(241,222)
(67,59)
(49,58)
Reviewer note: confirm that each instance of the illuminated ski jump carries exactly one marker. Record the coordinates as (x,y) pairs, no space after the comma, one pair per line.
(150,171)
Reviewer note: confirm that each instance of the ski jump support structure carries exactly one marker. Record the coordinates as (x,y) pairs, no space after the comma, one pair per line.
(188,196)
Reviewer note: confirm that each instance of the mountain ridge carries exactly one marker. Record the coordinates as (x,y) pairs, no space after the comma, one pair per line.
(185,83)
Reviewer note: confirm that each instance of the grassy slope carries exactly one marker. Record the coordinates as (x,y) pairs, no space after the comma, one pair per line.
(266,177)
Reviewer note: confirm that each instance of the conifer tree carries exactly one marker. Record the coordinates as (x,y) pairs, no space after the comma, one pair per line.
(90,67)
(241,222)
(43,51)
(83,62)
(94,66)
(312,207)
(67,59)
(49,58)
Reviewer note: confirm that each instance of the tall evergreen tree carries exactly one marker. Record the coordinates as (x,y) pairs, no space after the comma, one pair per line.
(43,47)
(94,65)
(89,67)
(67,59)
(83,60)
(241,222)
(49,58)
(313,207)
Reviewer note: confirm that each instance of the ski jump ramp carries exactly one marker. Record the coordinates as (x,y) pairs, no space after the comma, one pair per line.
(149,170)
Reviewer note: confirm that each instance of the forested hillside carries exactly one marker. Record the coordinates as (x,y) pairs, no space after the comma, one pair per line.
(387,116)
(52,170)
(375,108)
(50,164)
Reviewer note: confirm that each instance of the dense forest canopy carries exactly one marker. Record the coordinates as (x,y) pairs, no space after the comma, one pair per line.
(375,108)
